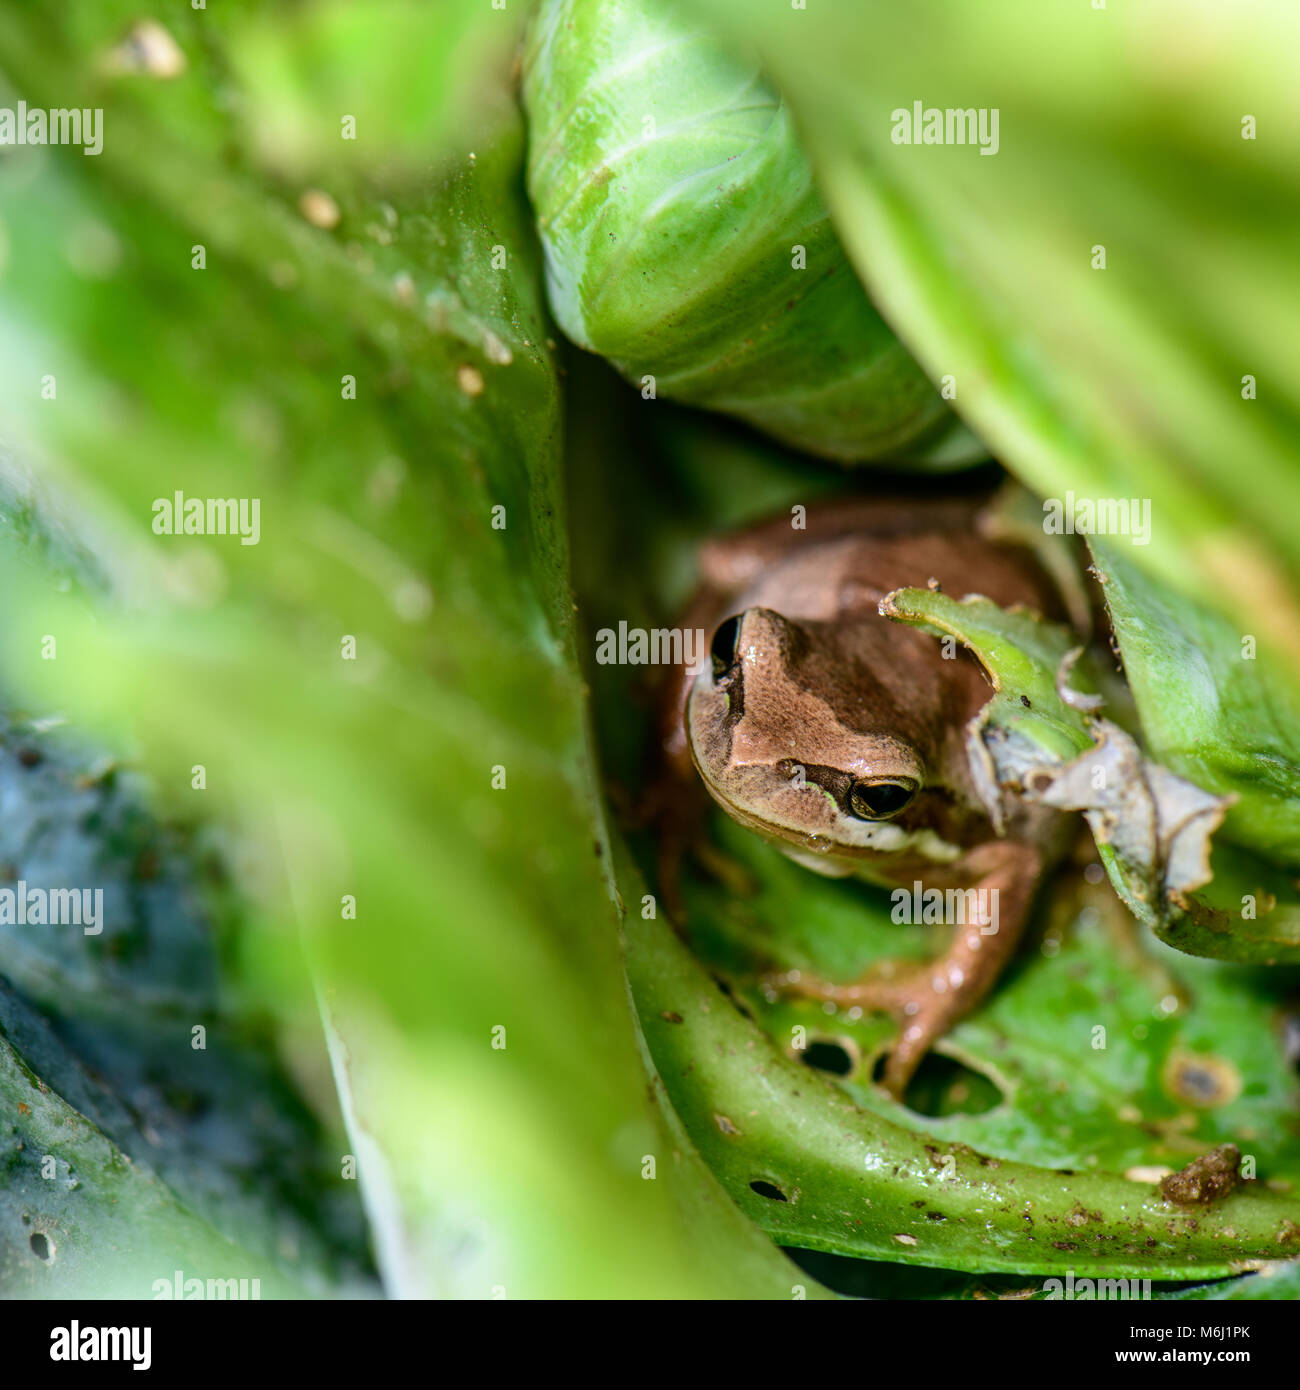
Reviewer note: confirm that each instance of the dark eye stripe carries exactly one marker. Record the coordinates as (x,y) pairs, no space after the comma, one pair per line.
(829,779)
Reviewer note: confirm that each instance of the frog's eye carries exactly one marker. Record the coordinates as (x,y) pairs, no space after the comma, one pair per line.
(879,800)
(725,642)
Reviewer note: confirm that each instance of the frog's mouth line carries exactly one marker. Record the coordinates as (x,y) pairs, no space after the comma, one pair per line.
(892,838)
(822,846)
(924,843)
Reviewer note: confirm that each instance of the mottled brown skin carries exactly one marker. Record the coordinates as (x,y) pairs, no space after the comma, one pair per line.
(818,680)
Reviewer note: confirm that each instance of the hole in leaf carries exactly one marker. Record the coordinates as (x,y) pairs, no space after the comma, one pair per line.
(40,1246)
(944,1086)
(835,1055)
(768,1190)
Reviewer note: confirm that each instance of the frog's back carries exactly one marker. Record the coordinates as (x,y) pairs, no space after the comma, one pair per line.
(832,571)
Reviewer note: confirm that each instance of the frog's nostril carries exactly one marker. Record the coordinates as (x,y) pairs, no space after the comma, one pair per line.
(725,642)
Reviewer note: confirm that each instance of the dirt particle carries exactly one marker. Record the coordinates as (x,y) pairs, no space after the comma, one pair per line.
(1205,1179)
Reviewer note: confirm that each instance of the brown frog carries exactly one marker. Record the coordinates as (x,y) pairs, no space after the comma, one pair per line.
(840,736)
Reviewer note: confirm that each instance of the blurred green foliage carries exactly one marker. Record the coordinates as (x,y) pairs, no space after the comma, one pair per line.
(374,365)
(477,909)
(687,243)
(1120,128)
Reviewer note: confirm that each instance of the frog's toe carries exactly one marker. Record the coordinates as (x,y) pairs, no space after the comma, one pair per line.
(888,995)
(923,1011)
(917,1034)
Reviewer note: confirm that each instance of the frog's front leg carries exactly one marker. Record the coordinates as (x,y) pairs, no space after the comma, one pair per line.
(927,1000)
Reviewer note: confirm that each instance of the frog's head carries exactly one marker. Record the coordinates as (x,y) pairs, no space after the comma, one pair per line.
(796,730)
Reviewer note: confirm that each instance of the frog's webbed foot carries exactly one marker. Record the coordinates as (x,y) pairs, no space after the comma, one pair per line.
(925,1000)
(929,998)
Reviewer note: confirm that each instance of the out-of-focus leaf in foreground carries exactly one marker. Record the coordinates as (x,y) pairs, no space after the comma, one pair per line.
(1115,290)
(306,71)
(153,1135)
(382,689)
(148,1129)
(81,1216)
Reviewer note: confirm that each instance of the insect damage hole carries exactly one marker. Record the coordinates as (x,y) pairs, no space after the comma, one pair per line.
(838,1056)
(944,1086)
(768,1190)
(41,1246)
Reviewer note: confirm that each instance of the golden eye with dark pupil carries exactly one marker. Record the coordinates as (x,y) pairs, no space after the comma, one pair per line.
(725,641)
(877,800)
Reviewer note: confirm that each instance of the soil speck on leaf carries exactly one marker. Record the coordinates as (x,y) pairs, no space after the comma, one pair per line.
(1205,1179)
